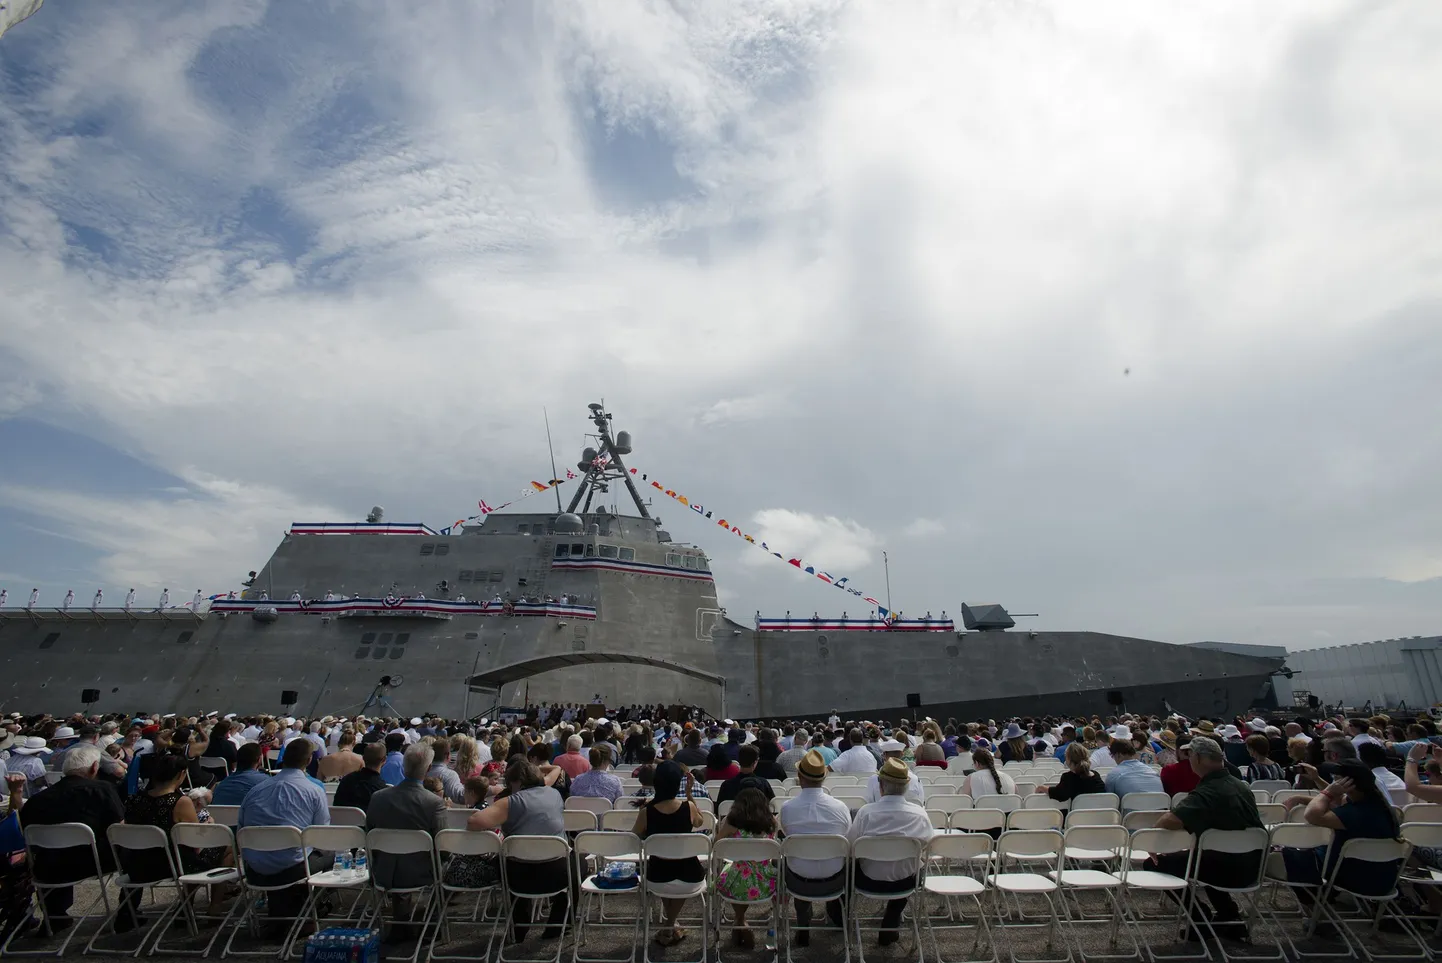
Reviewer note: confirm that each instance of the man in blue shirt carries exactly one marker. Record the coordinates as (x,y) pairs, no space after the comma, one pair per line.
(1131,774)
(393,770)
(232,790)
(289,798)
(1068,736)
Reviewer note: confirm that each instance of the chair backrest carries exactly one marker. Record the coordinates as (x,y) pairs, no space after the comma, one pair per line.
(1158,841)
(1272,813)
(1261,795)
(1370,851)
(737,850)
(1004,801)
(1270,785)
(1301,836)
(268,839)
(1143,819)
(722,808)
(708,822)
(333,838)
(126,836)
(676,845)
(467,843)
(713,786)
(843,779)
(224,815)
(535,849)
(593,804)
(579,820)
(216,763)
(1096,800)
(1400,797)
(457,818)
(1029,842)
(1178,797)
(939,819)
(1041,800)
(1094,817)
(978,820)
(959,846)
(1423,834)
(618,820)
(1422,812)
(608,844)
(853,803)
(886,848)
(948,802)
(1133,801)
(1034,819)
(819,846)
(1234,842)
(1297,814)
(958,763)
(1284,795)
(1025,789)
(347,816)
(1112,839)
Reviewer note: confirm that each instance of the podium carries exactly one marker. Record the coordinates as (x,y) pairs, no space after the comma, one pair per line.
(596,710)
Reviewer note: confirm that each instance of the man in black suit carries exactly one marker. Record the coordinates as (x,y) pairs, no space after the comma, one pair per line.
(409,805)
(357,788)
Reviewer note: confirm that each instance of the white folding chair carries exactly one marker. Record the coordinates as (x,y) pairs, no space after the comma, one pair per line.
(619,821)
(1005,801)
(1270,785)
(1305,837)
(1024,788)
(199,836)
(579,820)
(347,816)
(224,815)
(1142,819)
(38,840)
(1232,842)
(948,802)
(1041,800)
(331,839)
(1424,835)
(1134,801)
(817,847)
(1137,879)
(947,858)
(979,820)
(738,850)
(1094,817)
(1084,847)
(722,808)
(126,842)
(1286,795)
(853,802)
(593,804)
(1019,848)
(1096,800)
(533,849)
(461,844)
(457,818)
(397,844)
(881,849)
(1377,853)
(713,788)
(674,846)
(1034,819)
(604,847)
(1422,812)
(264,839)
(1273,814)
(1177,797)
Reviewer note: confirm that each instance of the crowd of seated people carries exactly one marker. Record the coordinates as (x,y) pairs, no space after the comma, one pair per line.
(516,775)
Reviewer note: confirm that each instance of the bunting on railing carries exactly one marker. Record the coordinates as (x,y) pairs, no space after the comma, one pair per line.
(807,567)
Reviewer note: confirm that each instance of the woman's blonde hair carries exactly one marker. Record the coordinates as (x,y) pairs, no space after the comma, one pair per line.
(1078,757)
(465,753)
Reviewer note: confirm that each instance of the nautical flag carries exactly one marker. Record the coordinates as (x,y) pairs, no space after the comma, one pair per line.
(570,474)
(538,486)
(485,509)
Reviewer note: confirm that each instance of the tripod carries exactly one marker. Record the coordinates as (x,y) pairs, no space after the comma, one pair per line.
(379,698)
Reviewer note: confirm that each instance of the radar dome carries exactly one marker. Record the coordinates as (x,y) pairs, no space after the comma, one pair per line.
(376,514)
(569,523)
(623,443)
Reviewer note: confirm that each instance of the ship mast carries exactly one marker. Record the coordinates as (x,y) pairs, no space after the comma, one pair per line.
(604,465)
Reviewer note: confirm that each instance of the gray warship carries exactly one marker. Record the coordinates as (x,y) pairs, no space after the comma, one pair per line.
(582,604)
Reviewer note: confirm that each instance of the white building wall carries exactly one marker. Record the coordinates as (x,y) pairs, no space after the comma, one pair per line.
(1388,672)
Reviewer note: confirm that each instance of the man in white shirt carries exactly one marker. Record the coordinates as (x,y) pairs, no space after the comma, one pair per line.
(833,720)
(856,759)
(1102,757)
(812,812)
(1374,757)
(891,815)
(891,749)
(1357,731)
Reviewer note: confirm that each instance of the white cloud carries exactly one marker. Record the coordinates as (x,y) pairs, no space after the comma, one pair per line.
(835,544)
(924,528)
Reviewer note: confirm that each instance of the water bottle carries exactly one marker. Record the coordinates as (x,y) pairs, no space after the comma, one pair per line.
(342,863)
(361,869)
(771,938)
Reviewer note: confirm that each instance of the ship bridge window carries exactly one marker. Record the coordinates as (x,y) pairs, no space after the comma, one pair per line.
(673,559)
(577,549)
(703,563)
(465,575)
(402,638)
(563,550)
(690,561)
(608,551)
(429,548)
(628,554)
(590,550)
(498,576)
(443,549)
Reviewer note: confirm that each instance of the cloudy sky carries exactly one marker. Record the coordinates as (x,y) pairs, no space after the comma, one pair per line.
(1126,314)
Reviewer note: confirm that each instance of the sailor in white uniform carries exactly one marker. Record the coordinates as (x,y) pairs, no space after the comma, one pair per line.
(69,600)
(99,597)
(34,598)
(195,601)
(165,599)
(295,596)
(129,599)
(4,594)
(329,596)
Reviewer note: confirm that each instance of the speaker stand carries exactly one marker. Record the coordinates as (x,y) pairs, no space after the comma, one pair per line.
(378,698)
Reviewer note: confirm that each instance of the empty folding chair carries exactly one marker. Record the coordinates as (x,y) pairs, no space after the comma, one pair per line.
(1286,796)
(264,839)
(1034,819)
(814,854)
(889,849)
(1097,855)
(214,766)
(940,821)
(713,788)
(1142,819)
(1018,852)
(1261,796)
(1270,785)
(1040,800)
(579,820)
(743,850)
(1137,878)
(332,882)
(1096,800)
(618,821)
(1305,840)
(1253,842)
(52,873)
(146,864)
(347,816)
(1384,859)
(722,808)
(1273,814)
(403,868)
(224,815)
(947,859)
(604,848)
(457,818)
(1141,801)
(1025,788)
(1422,812)
(948,802)
(459,844)
(1094,817)
(853,802)
(991,821)
(1006,802)
(589,803)
(674,846)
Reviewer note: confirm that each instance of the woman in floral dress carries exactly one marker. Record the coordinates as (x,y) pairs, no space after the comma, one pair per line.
(750,817)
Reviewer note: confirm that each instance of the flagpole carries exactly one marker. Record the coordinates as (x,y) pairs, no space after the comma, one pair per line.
(552,449)
(886,563)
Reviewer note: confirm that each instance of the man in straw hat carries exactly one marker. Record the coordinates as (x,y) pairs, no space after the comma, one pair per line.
(892,749)
(891,815)
(812,812)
